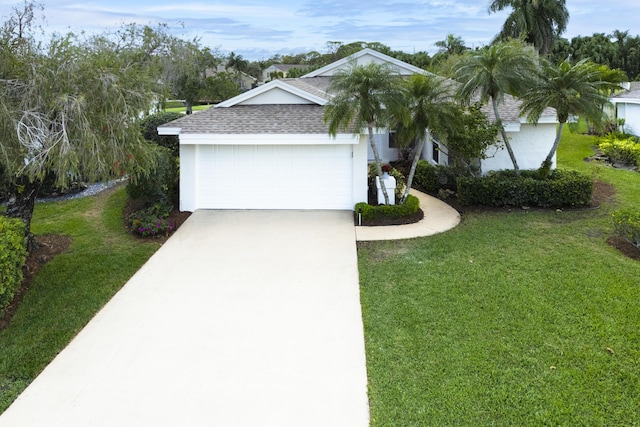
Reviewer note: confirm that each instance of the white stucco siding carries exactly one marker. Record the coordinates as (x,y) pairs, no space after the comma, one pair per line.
(631,115)
(275,96)
(530,145)
(188,172)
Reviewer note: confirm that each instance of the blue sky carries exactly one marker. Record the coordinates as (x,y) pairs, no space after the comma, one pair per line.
(259,29)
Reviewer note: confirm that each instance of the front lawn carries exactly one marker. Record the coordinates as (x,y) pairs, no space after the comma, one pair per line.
(509,319)
(71,288)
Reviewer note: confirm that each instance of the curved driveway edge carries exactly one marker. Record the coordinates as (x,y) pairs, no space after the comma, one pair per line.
(243,318)
(438,218)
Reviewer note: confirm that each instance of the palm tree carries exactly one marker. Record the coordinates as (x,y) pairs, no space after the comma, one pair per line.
(452,45)
(490,73)
(537,22)
(576,89)
(431,109)
(365,96)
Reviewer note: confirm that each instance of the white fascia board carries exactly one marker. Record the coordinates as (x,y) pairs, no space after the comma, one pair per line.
(512,126)
(268,139)
(267,87)
(541,120)
(169,131)
(624,100)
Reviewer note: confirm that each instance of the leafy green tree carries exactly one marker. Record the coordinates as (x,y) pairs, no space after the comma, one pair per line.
(366,97)
(239,65)
(572,90)
(451,45)
(220,86)
(70,108)
(537,22)
(429,100)
(489,74)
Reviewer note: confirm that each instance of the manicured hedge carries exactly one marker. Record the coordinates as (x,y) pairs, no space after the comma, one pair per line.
(434,178)
(13,253)
(504,188)
(369,213)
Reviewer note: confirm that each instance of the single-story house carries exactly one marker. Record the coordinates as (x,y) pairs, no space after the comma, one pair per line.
(280,70)
(269,148)
(626,105)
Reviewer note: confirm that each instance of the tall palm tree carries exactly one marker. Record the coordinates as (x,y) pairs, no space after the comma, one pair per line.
(431,109)
(365,96)
(488,74)
(537,22)
(572,89)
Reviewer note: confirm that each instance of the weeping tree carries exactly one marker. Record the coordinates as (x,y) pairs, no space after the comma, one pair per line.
(69,108)
(366,97)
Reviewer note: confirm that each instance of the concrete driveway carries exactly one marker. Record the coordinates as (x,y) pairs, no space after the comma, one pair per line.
(243,318)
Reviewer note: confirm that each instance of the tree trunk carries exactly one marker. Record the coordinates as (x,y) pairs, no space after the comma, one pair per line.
(545,168)
(22,199)
(516,168)
(188,107)
(412,171)
(378,162)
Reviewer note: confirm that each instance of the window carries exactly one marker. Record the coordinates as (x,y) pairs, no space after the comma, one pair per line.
(435,154)
(392,139)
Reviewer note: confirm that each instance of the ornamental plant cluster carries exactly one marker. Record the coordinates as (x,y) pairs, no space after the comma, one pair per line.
(626,224)
(370,213)
(13,254)
(620,148)
(152,222)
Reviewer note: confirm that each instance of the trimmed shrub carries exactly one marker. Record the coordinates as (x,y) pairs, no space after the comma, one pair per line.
(13,254)
(157,186)
(626,224)
(625,151)
(149,129)
(370,213)
(433,178)
(504,188)
(152,221)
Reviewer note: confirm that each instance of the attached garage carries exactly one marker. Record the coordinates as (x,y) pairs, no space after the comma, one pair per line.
(274,177)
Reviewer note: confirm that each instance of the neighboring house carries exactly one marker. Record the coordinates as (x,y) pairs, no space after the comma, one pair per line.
(269,148)
(626,105)
(280,70)
(247,82)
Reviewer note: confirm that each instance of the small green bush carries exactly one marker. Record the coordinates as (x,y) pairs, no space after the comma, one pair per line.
(433,178)
(370,213)
(149,129)
(13,254)
(504,188)
(157,186)
(625,151)
(152,221)
(626,223)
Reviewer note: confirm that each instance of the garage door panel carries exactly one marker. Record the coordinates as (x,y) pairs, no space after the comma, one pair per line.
(274,177)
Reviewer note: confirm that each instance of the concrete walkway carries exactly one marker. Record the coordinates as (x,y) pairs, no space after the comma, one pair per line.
(438,218)
(243,318)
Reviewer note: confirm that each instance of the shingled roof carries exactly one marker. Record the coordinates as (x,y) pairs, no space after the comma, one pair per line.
(255,119)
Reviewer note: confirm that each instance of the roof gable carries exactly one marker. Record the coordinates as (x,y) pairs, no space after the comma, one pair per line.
(364,57)
(274,92)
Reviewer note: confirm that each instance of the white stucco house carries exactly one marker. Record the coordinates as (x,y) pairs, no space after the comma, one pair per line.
(626,105)
(269,148)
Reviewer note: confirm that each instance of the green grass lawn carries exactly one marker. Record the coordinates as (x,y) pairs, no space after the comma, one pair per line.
(510,319)
(182,109)
(71,288)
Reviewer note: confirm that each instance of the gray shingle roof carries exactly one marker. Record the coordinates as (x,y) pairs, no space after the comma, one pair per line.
(255,119)
(632,93)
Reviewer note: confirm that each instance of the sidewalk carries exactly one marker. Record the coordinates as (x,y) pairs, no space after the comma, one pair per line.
(438,217)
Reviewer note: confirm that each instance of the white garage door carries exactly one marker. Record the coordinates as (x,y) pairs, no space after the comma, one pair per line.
(274,177)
